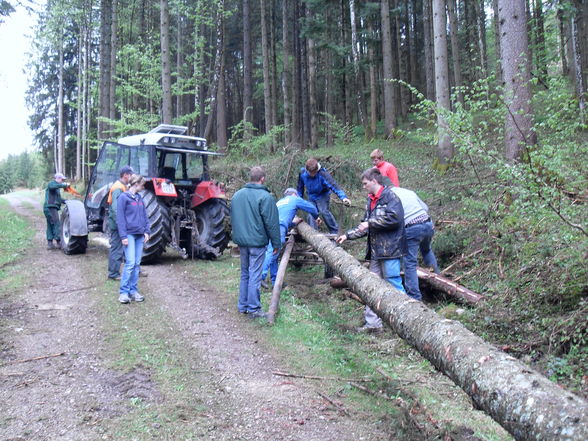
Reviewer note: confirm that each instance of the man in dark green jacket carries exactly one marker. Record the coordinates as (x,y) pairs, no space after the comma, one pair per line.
(255,222)
(116,250)
(51,209)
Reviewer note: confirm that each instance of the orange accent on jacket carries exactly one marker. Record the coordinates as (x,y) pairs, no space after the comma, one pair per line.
(116,186)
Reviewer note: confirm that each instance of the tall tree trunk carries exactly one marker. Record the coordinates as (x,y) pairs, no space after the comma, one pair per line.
(247,70)
(497,41)
(540,49)
(429,50)
(60,115)
(312,92)
(562,41)
(113,49)
(445,146)
(221,108)
(479,8)
(220,48)
(79,104)
(412,39)
(273,72)
(520,399)
(580,86)
(267,99)
(579,33)
(296,78)
(286,71)
(305,93)
(105,57)
(355,54)
(389,90)
(373,86)
(455,49)
(166,82)
(515,67)
(402,68)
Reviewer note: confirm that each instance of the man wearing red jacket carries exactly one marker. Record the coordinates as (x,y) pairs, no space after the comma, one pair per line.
(386,169)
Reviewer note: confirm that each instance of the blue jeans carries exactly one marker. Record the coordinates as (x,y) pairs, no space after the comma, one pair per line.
(115,254)
(133,254)
(322,205)
(389,270)
(271,260)
(419,237)
(251,266)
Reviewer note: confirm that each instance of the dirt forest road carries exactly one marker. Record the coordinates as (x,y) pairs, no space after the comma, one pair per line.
(76,365)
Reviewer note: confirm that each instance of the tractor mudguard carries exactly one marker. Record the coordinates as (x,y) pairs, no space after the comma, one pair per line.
(78,224)
(207,190)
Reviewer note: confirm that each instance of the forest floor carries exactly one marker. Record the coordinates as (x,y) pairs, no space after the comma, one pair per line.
(76,365)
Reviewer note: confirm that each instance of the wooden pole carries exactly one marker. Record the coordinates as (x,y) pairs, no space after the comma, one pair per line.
(277,290)
(520,399)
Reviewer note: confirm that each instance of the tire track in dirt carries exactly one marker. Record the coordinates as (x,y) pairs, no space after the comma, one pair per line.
(54,311)
(258,405)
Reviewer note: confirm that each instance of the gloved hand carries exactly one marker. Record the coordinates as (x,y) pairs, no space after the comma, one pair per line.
(347,202)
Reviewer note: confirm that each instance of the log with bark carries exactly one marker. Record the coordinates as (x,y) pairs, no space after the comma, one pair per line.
(277,290)
(520,399)
(448,286)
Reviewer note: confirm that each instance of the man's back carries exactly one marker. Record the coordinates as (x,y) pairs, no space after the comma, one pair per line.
(254,217)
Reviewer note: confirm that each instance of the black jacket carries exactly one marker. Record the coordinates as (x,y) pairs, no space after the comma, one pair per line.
(386,237)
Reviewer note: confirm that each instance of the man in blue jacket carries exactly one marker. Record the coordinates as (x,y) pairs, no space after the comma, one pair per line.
(254,220)
(319,184)
(287,208)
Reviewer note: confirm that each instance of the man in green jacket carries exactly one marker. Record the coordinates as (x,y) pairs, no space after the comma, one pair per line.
(255,222)
(116,250)
(51,209)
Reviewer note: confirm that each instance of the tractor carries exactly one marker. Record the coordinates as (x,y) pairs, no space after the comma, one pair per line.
(187,211)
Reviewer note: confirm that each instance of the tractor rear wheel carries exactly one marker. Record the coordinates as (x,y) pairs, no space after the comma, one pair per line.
(211,222)
(159,220)
(71,244)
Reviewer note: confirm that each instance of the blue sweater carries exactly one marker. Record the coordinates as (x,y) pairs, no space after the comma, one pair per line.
(319,185)
(289,205)
(131,216)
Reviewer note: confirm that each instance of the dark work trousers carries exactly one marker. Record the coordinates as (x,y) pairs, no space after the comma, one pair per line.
(115,254)
(53,225)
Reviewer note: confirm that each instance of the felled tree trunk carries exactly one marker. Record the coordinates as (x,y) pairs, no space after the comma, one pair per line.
(448,286)
(520,399)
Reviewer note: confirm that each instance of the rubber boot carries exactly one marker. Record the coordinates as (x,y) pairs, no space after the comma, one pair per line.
(57,244)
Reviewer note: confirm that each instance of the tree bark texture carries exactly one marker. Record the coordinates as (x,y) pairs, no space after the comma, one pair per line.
(355,54)
(286,72)
(105,50)
(113,49)
(448,286)
(389,98)
(312,83)
(514,46)
(247,69)
(429,57)
(524,402)
(277,289)
(60,115)
(221,108)
(455,49)
(166,105)
(265,54)
(445,146)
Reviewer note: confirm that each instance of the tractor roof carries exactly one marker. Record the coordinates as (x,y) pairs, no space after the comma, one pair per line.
(167,136)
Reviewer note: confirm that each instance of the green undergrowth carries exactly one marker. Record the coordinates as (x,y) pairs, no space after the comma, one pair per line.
(314,334)
(15,236)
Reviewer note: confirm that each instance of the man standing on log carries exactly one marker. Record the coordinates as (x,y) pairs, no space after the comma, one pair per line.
(386,168)
(255,222)
(287,208)
(319,184)
(383,224)
(419,233)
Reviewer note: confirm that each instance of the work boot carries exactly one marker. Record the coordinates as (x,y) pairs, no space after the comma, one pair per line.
(257,314)
(57,244)
(50,245)
(265,285)
(142,273)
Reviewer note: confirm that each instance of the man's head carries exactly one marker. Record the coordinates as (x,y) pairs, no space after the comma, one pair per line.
(370,180)
(291,192)
(312,167)
(257,175)
(59,177)
(377,156)
(125,173)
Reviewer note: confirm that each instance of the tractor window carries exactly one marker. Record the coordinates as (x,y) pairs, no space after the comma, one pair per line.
(139,161)
(195,166)
(172,166)
(111,158)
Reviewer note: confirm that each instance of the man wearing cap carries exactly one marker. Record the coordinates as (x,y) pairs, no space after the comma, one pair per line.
(319,184)
(51,209)
(116,252)
(287,208)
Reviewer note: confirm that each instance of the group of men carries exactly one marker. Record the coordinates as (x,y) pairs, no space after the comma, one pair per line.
(396,223)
